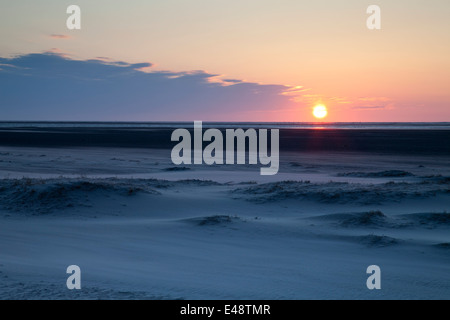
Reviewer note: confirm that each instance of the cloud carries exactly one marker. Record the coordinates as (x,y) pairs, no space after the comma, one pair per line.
(59,36)
(374,99)
(373,103)
(108,61)
(53,86)
(58,52)
(368,107)
(341,100)
(224,82)
(232,80)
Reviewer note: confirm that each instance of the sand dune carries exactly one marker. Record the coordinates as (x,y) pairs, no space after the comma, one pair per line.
(141,228)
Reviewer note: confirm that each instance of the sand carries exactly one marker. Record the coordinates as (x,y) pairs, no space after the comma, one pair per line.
(141,228)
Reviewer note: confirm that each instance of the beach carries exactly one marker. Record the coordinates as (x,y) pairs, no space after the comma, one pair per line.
(110,200)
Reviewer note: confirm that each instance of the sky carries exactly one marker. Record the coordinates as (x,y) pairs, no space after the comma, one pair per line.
(215,60)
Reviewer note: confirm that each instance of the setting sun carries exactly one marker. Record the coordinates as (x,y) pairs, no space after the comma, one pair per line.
(320,111)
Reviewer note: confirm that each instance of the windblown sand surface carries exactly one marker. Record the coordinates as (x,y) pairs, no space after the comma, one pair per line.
(141,228)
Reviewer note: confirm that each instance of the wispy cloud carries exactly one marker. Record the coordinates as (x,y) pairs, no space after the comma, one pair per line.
(373,103)
(368,107)
(59,36)
(374,99)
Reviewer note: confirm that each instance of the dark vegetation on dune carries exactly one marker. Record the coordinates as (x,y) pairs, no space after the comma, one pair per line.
(381,174)
(42,196)
(378,220)
(377,241)
(370,240)
(16,290)
(360,219)
(36,196)
(214,220)
(344,192)
(173,169)
(444,246)
(429,220)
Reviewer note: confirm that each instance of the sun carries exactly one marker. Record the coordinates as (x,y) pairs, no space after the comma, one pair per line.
(320,111)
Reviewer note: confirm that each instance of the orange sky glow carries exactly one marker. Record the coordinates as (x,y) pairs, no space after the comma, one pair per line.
(321,51)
